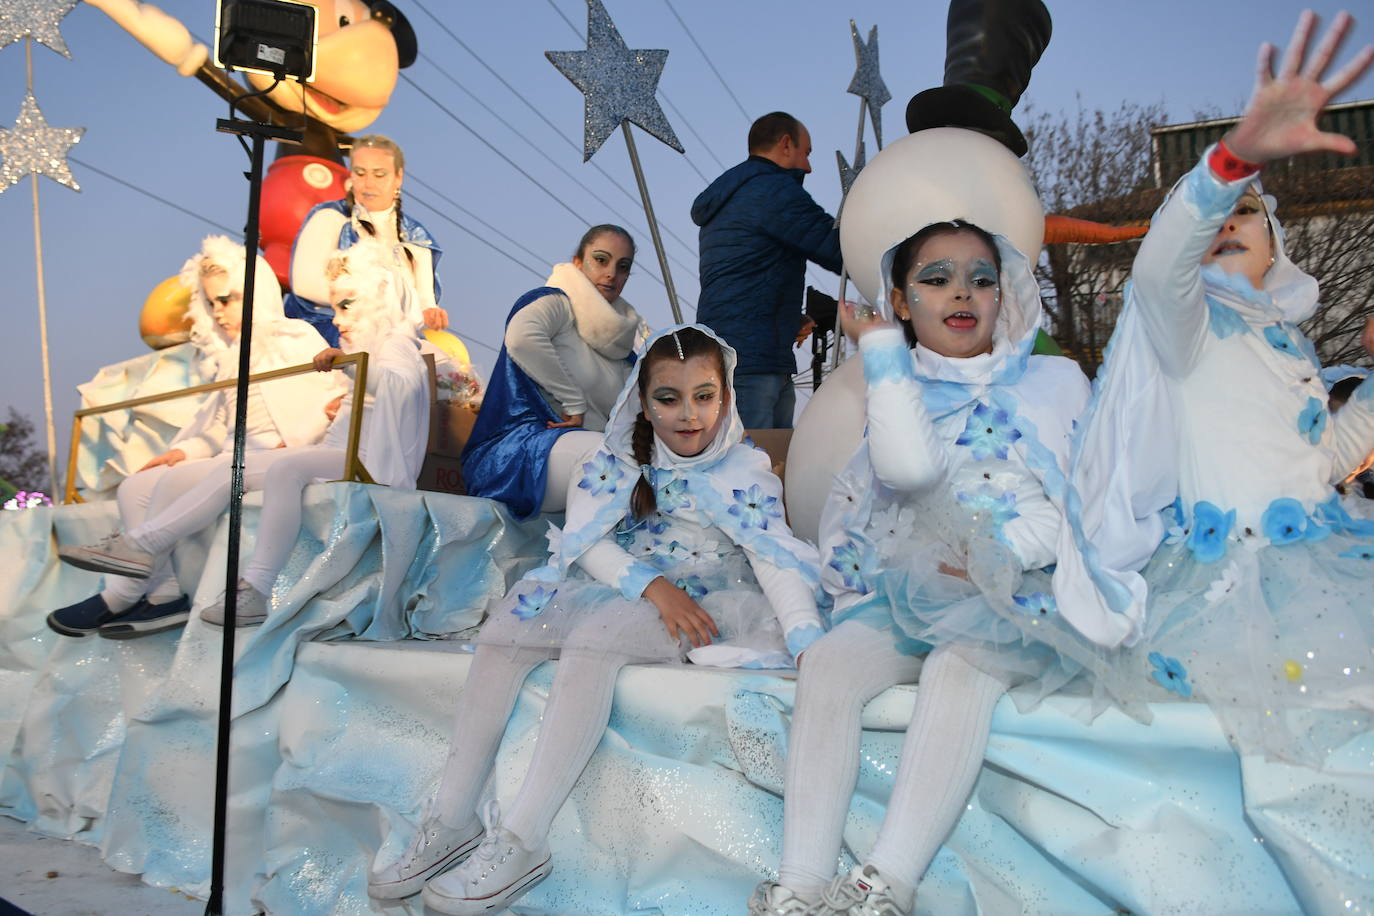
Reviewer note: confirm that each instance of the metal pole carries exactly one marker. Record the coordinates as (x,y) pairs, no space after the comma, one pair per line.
(42,302)
(653,222)
(215,905)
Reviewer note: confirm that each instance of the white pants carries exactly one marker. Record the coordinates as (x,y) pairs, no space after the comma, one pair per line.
(162,506)
(575,718)
(941,755)
(565,460)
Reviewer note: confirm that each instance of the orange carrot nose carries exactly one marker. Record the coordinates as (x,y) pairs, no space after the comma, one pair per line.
(1067,229)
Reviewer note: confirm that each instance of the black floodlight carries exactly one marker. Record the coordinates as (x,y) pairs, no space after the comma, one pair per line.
(273,37)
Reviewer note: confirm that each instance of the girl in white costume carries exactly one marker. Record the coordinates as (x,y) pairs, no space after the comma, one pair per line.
(675,541)
(286,412)
(1258,601)
(369,296)
(933,543)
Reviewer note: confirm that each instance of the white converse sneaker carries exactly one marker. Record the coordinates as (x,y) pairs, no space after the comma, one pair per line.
(115,555)
(435,849)
(500,871)
(250,611)
(862,892)
(772,899)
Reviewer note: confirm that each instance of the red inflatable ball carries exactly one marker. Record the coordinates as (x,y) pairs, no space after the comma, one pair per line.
(292,185)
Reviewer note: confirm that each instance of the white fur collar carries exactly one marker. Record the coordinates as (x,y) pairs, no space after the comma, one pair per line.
(609,328)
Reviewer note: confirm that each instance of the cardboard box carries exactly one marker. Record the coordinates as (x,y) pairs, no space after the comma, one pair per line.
(450,425)
(441,474)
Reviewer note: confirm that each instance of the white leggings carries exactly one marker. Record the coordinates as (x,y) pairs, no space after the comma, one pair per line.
(941,755)
(569,451)
(162,506)
(575,717)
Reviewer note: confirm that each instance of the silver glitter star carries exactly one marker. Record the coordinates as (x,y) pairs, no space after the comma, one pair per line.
(31,147)
(868,82)
(848,173)
(618,84)
(36,19)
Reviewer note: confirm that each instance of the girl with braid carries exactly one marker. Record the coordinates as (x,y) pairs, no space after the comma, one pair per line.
(372,209)
(675,545)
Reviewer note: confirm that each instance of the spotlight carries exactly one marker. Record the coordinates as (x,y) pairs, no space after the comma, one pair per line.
(273,37)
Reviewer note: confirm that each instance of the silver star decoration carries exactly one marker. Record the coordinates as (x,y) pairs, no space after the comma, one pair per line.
(31,147)
(618,83)
(868,82)
(848,173)
(36,19)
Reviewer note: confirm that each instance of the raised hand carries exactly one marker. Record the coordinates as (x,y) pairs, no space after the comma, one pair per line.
(1281,119)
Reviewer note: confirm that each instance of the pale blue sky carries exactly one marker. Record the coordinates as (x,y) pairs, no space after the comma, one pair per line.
(107,246)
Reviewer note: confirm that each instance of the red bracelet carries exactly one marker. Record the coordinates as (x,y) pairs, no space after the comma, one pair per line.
(1227,166)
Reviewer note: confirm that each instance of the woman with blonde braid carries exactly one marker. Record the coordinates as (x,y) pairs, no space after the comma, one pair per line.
(372,209)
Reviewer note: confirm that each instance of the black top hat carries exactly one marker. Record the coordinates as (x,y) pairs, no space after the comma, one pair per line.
(990,48)
(406,46)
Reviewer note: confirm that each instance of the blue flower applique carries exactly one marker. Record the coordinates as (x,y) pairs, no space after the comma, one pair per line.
(1278,339)
(1036,604)
(1360,552)
(1312,421)
(656,523)
(1284,521)
(1170,674)
(999,506)
(988,433)
(1224,320)
(853,564)
(1207,540)
(673,495)
(624,537)
(532,604)
(601,474)
(694,587)
(754,508)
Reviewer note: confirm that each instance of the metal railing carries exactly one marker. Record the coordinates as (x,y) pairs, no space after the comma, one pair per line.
(353,468)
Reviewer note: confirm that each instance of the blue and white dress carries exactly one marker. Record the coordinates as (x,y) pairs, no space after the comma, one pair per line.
(719,534)
(971,481)
(1210,432)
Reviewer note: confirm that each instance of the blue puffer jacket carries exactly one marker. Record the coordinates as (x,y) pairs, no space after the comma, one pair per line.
(758,229)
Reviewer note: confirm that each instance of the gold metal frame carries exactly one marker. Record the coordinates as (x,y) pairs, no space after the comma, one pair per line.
(353,468)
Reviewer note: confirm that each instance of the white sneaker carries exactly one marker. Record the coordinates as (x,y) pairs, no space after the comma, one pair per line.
(251,609)
(435,849)
(862,892)
(772,899)
(115,555)
(500,871)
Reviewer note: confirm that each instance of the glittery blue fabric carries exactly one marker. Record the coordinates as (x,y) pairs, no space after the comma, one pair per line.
(112,743)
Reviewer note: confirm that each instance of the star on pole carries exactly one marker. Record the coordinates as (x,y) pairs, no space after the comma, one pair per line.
(868,82)
(847,172)
(36,19)
(31,147)
(618,83)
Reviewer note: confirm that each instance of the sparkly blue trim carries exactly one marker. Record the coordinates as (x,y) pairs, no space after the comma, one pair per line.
(635,578)
(801,637)
(891,363)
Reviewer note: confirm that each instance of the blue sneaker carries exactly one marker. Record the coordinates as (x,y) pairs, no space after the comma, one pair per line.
(145,619)
(85,617)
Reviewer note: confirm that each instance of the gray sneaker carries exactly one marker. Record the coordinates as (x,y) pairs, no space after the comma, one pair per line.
(772,899)
(435,849)
(114,555)
(251,608)
(495,875)
(862,892)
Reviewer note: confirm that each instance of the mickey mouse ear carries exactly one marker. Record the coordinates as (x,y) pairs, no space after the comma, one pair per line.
(407,48)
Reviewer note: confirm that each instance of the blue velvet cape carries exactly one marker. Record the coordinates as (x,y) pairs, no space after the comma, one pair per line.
(507,455)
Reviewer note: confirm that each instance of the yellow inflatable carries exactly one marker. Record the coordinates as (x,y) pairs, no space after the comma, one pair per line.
(450,344)
(164,322)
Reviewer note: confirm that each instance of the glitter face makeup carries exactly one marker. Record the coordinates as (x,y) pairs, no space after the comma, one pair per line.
(952,295)
(685,403)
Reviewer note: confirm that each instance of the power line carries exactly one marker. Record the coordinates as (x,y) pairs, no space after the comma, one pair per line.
(162,200)
(573,144)
(688,124)
(485,241)
(474,217)
(538,148)
(731,92)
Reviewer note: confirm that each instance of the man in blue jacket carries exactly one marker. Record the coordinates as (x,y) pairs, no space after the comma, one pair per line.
(758,230)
